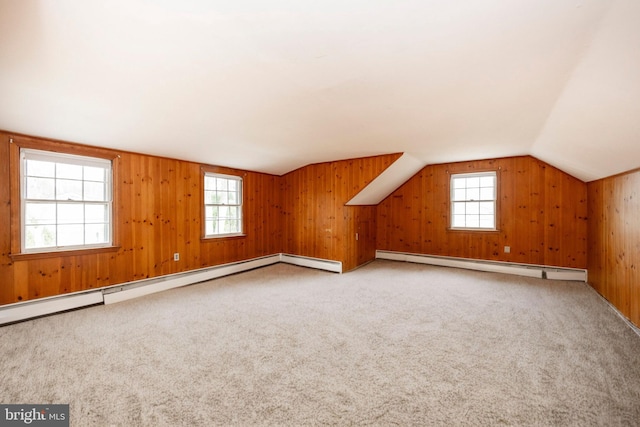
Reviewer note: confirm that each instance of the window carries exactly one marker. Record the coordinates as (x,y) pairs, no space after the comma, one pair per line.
(222,205)
(65,201)
(473,201)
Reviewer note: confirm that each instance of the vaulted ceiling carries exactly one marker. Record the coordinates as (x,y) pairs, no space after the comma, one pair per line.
(274,85)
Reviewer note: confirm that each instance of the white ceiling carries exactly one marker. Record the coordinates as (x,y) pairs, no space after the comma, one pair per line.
(274,85)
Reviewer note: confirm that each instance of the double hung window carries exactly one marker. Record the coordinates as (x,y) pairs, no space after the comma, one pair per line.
(66,201)
(222,205)
(473,201)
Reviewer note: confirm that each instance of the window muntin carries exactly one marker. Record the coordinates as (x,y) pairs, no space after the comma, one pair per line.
(222,205)
(65,201)
(473,201)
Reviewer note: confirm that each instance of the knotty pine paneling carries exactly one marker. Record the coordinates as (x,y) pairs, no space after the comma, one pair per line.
(263,210)
(596,236)
(614,241)
(8,286)
(542,215)
(363,224)
(158,212)
(316,221)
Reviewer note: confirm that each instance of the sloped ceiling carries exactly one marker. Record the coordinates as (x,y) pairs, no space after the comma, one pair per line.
(274,85)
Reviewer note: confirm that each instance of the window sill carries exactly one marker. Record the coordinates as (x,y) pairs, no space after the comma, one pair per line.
(60,254)
(474,230)
(222,237)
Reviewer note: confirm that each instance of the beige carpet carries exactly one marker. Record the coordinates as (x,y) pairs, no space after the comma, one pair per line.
(388,344)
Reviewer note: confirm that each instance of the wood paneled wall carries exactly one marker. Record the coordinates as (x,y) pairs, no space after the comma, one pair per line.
(614,241)
(6,264)
(542,215)
(157,212)
(316,221)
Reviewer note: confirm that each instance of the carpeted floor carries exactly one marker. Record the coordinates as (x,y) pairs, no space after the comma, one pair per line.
(389,344)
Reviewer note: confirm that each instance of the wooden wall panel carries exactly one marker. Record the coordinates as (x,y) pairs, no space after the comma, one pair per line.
(542,215)
(262,220)
(614,241)
(158,212)
(316,221)
(362,223)
(7,269)
(565,234)
(522,210)
(617,287)
(596,248)
(632,244)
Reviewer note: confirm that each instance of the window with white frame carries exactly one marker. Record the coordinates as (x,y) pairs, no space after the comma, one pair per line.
(473,201)
(222,205)
(65,201)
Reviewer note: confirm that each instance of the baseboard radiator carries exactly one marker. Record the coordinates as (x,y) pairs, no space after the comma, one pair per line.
(29,309)
(12,313)
(317,263)
(528,270)
(140,288)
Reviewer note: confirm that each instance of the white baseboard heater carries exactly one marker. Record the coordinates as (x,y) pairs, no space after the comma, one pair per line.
(317,263)
(528,270)
(29,309)
(140,288)
(149,286)
(11,313)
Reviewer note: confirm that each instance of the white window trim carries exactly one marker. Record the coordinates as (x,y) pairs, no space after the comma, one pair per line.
(493,174)
(52,156)
(240,205)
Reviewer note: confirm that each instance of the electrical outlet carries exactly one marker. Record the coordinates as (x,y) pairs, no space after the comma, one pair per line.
(176,256)
(507,249)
